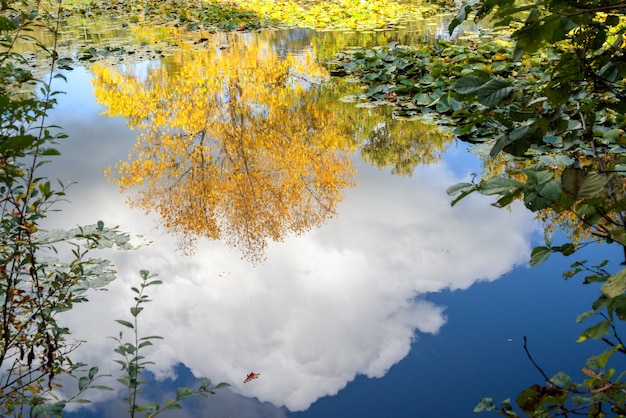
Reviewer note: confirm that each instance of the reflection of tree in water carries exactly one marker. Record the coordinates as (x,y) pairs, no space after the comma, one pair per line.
(232,144)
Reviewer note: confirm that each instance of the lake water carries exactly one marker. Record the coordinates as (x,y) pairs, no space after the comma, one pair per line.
(399,306)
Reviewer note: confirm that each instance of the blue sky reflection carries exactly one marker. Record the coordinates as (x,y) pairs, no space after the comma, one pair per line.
(346,300)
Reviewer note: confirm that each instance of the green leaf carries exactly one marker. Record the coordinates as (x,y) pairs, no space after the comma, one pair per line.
(83,382)
(101,387)
(561,379)
(493,92)
(144,344)
(502,142)
(596,331)
(461,16)
(539,255)
(48,409)
(49,152)
(460,188)
(222,385)
(151,337)
(565,249)
(17,144)
(7,24)
(599,361)
(125,323)
(93,372)
(498,185)
(463,188)
(485,404)
(585,315)
(468,84)
(615,285)
(581,185)
(135,310)
(183,393)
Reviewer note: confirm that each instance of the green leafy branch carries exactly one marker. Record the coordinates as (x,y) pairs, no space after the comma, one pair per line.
(133,363)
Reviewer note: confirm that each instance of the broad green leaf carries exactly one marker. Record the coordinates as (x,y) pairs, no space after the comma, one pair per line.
(561,379)
(49,410)
(581,185)
(460,188)
(599,361)
(615,285)
(49,152)
(7,24)
(461,16)
(83,381)
(498,185)
(553,140)
(183,393)
(493,92)
(17,144)
(502,142)
(556,160)
(530,399)
(518,133)
(468,84)
(464,189)
(596,331)
(539,255)
(565,249)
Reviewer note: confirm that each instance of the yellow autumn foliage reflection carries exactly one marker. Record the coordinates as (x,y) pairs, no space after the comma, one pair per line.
(232,144)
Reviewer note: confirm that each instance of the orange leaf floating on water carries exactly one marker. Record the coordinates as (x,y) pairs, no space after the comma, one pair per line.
(251,375)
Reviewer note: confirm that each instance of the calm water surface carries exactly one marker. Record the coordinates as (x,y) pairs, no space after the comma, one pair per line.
(399,306)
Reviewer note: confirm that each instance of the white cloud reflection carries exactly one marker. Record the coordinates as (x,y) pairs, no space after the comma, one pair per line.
(343,300)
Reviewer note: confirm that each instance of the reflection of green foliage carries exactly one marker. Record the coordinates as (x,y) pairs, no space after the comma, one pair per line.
(403,144)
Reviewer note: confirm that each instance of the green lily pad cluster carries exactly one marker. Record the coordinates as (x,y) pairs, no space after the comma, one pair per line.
(435,79)
(209,15)
(339,14)
(255,14)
